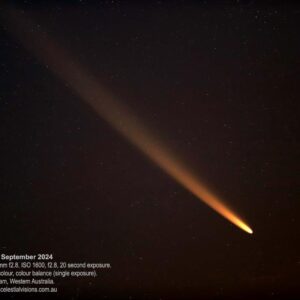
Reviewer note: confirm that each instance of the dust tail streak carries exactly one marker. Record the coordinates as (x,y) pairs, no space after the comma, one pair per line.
(113,111)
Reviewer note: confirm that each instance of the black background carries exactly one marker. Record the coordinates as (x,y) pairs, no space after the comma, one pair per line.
(220,82)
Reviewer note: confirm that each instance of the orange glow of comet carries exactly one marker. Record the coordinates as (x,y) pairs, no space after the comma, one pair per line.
(114,112)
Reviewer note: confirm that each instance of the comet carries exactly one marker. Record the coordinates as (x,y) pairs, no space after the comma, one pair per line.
(113,111)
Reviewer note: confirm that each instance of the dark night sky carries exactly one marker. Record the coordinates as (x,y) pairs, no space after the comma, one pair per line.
(219,82)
